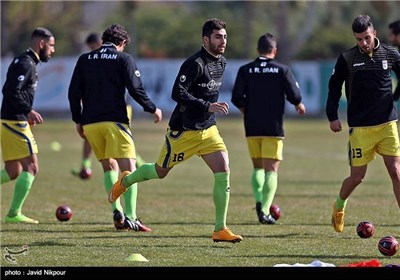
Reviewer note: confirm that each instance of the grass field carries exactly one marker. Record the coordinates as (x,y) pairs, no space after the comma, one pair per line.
(180,211)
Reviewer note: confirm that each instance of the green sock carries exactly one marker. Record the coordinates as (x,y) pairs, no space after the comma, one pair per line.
(130,198)
(4,177)
(86,163)
(269,189)
(340,203)
(109,179)
(145,172)
(221,199)
(22,186)
(257,182)
(139,161)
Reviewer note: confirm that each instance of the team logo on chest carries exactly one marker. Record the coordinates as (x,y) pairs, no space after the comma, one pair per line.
(385,64)
(210,85)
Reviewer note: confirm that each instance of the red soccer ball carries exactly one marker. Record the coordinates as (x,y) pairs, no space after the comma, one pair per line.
(388,246)
(275,211)
(365,229)
(63,213)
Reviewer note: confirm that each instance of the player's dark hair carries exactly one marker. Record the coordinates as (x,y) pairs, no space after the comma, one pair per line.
(41,32)
(93,38)
(361,23)
(212,24)
(395,27)
(266,43)
(115,34)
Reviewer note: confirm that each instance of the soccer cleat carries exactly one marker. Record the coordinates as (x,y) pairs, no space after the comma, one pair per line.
(118,189)
(337,219)
(266,219)
(119,220)
(20,218)
(137,225)
(141,226)
(226,235)
(262,218)
(129,225)
(84,173)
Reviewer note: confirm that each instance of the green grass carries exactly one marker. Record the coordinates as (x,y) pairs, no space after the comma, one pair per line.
(180,211)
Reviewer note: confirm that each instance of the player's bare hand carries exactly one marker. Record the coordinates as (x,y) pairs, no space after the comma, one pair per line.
(219,107)
(157,115)
(81,133)
(335,126)
(34,118)
(301,109)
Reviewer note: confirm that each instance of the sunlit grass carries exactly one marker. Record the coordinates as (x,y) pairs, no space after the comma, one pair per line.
(180,211)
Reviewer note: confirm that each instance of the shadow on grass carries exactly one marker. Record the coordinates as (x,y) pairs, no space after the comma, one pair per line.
(43,243)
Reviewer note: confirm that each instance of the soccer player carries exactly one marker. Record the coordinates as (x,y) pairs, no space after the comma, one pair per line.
(371,112)
(18,145)
(192,126)
(93,41)
(98,106)
(394,33)
(260,91)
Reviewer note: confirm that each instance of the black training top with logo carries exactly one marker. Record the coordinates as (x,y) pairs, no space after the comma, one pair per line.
(99,81)
(196,86)
(368,86)
(20,87)
(261,88)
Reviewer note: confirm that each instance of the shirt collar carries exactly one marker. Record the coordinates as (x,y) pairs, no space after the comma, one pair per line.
(34,55)
(108,44)
(377,45)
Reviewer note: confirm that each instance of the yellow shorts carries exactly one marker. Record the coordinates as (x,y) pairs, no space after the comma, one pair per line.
(265,147)
(182,145)
(17,140)
(365,142)
(110,140)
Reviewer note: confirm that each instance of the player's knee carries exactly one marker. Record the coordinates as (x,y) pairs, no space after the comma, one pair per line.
(162,172)
(14,173)
(33,169)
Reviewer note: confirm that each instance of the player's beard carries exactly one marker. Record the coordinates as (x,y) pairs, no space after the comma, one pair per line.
(215,49)
(43,54)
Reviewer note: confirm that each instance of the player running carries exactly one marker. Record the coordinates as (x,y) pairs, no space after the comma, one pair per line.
(192,126)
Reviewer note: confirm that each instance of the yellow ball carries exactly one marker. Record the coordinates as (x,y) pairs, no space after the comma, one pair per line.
(55,146)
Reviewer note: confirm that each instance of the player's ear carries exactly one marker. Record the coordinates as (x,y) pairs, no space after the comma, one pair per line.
(42,44)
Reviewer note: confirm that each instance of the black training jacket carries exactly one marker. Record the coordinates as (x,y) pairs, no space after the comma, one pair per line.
(261,88)
(20,87)
(196,86)
(368,86)
(97,89)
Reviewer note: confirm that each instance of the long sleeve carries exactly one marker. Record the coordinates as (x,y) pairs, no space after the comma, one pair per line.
(335,88)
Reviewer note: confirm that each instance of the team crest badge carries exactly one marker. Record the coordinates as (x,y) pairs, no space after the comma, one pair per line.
(182,78)
(384,64)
